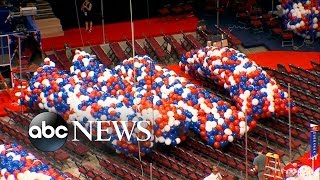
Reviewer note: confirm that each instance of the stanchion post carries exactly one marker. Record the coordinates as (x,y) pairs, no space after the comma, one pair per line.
(77,12)
(102,14)
(218,13)
(246,145)
(289,115)
(20,61)
(151,171)
(132,30)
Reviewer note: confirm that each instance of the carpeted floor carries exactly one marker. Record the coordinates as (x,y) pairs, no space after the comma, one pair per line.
(119,31)
(7,102)
(272,58)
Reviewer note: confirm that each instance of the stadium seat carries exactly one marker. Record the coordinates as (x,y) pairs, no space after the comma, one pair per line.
(101,55)
(190,42)
(155,50)
(116,53)
(138,49)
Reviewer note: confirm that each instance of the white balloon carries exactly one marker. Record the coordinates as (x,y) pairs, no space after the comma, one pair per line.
(247,93)
(168,141)
(216,115)
(315,26)
(227,131)
(167,128)
(230,138)
(315,20)
(11,177)
(255,102)
(271,108)
(242,124)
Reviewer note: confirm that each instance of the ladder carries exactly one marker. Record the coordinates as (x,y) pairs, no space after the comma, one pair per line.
(272,168)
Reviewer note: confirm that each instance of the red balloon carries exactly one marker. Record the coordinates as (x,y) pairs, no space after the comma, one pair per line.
(203,133)
(216,144)
(253,124)
(218,137)
(219,127)
(225,137)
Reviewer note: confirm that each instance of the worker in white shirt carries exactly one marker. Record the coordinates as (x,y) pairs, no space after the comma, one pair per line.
(215,174)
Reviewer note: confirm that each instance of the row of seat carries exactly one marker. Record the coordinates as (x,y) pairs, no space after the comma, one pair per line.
(190,42)
(230,160)
(302,96)
(63,58)
(157,172)
(21,135)
(308,75)
(277,137)
(93,173)
(294,81)
(154,49)
(137,48)
(316,66)
(234,41)
(116,53)
(118,169)
(176,50)
(175,165)
(303,85)
(281,124)
(176,9)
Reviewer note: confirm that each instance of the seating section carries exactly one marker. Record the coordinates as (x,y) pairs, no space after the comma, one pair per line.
(190,42)
(54,58)
(307,75)
(93,173)
(116,53)
(234,41)
(101,55)
(137,47)
(176,48)
(177,166)
(119,170)
(155,50)
(316,66)
(157,171)
(193,159)
(63,59)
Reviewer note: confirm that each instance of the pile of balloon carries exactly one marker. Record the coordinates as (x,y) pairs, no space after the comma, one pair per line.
(17,164)
(302,173)
(253,91)
(135,90)
(301,16)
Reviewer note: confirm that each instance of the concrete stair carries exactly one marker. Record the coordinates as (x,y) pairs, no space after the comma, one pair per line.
(46,21)
(50,27)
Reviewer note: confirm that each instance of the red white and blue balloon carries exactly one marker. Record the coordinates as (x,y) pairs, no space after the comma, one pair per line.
(136,90)
(301,16)
(18,164)
(253,91)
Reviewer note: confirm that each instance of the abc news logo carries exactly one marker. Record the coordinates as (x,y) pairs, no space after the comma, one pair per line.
(49,131)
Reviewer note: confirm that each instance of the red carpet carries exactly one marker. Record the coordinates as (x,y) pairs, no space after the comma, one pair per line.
(7,102)
(116,32)
(272,58)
